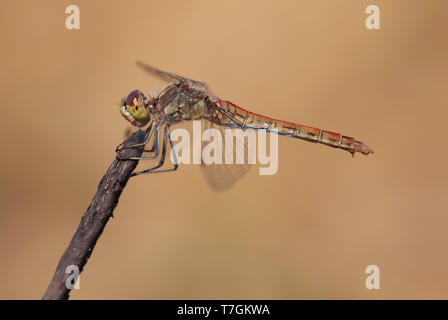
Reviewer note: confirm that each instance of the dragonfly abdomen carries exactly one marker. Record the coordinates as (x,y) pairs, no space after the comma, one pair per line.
(247,119)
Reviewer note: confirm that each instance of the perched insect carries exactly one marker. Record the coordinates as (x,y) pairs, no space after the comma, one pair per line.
(185,99)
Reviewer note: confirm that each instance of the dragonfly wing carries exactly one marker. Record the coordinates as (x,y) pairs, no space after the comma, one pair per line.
(168,76)
(223,176)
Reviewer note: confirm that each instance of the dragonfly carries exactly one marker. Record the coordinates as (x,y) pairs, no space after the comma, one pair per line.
(184,100)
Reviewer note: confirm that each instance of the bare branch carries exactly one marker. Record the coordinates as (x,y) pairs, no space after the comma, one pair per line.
(96,217)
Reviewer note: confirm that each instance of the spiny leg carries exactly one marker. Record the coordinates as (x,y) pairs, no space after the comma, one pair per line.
(161,161)
(154,148)
(155,145)
(175,164)
(148,135)
(166,137)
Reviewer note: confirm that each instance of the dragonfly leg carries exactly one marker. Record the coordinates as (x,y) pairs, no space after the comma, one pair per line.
(155,144)
(166,137)
(148,135)
(154,148)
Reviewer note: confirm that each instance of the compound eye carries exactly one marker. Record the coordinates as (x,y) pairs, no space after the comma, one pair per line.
(135,99)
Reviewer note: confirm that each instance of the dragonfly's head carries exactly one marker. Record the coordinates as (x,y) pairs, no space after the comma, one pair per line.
(135,108)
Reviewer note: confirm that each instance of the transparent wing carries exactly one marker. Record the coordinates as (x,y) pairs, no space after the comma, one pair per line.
(223,176)
(168,76)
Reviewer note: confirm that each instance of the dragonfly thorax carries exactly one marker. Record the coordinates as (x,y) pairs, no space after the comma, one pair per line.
(178,103)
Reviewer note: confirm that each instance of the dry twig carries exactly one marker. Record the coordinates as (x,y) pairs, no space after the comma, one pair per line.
(95,219)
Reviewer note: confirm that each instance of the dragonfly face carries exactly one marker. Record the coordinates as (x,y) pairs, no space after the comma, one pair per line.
(136,109)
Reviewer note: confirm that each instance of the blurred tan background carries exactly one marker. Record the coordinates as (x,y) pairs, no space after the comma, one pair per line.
(307,232)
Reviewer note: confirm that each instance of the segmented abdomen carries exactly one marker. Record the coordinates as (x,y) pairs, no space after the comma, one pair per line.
(233,115)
